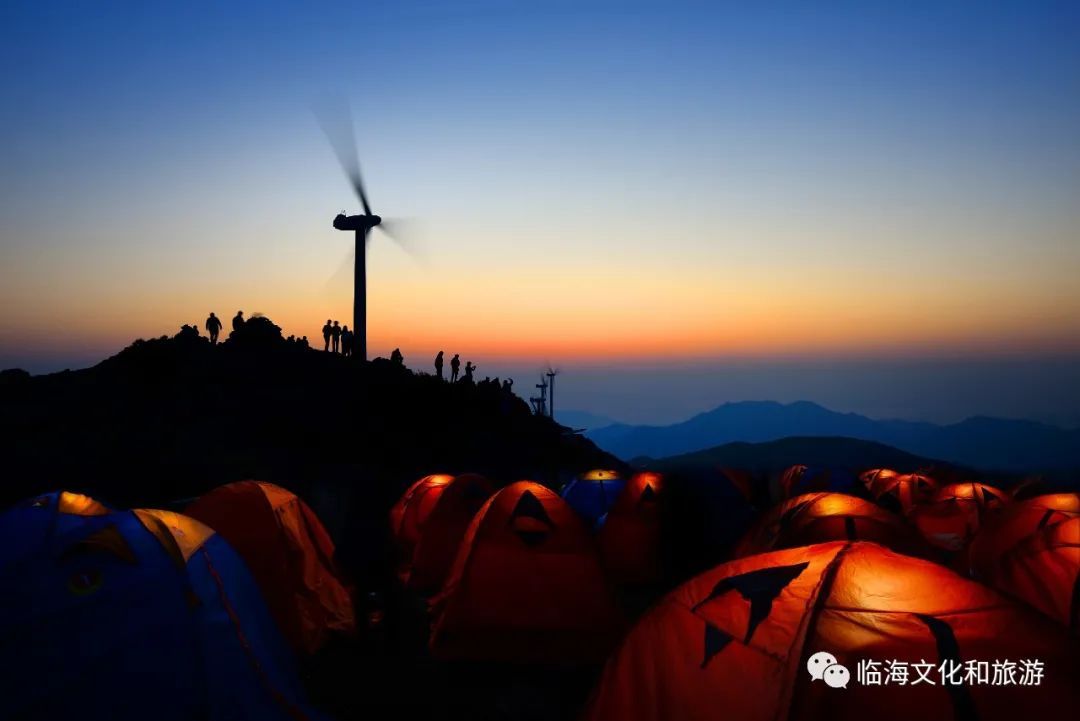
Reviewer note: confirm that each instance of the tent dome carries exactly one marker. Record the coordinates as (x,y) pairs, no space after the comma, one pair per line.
(147,613)
(900,493)
(290,554)
(737,642)
(629,540)
(953,515)
(591,494)
(527,585)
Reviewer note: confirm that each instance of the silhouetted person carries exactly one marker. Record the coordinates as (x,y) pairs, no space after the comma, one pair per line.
(438,365)
(508,385)
(469,368)
(327,331)
(346,341)
(304,342)
(335,337)
(238,320)
(213,327)
(396,358)
(455,368)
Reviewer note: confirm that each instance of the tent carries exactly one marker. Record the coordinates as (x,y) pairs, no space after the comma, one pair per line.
(526,586)
(629,540)
(431,523)
(148,613)
(1016,523)
(800,479)
(31,525)
(900,493)
(820,517)
(869,477)
(952,516)
(742,641)
(290,554)
(591,494)
(1044,571)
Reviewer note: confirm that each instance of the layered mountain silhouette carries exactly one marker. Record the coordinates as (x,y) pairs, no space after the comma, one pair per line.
(984,443)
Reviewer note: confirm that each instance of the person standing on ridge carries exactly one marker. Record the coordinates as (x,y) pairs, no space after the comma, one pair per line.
(346,341)
(469,368)
(335,337)
(438,365)
(213,327)
(326,331)
(455,368)
(396,358)
(238,321)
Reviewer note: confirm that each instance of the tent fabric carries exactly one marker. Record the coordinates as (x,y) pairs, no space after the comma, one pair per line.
(37,522)
(411,507)
(874,474)
(526,586)
(290,554)
(735,642)
(1015,524)
(592,494)
(629,540)
(102,623)
(1044,571)
(953,515)
(821,517)
(436,519)
(800,479)
(900,493)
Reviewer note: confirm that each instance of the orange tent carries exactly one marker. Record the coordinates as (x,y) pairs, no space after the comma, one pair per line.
(1016,523)
(526,585)
(742,640)
(955,512)
(820,517)
(630,537)
(902,492)
(431,523)
(290,554)
(1044,571)
(869,477)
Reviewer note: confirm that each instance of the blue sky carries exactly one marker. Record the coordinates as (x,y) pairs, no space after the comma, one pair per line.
(602,185)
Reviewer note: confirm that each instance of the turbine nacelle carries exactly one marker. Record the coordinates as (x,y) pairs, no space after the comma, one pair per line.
(356,222)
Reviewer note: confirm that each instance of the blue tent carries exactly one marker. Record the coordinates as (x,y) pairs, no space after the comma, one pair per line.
(134,615)
(593,493)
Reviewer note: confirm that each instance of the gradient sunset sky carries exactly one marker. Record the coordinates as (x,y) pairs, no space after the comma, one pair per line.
(651,195)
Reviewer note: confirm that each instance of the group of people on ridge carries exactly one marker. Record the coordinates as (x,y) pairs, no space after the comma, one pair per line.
(337,338)
(455,368)
(213,325)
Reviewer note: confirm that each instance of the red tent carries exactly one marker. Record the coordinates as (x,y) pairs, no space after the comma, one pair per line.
(432,520)
(526,585)
(902,492)
(1016,523)
(290,554)
(820,517)
(630,537)
(953,515)
(774,636)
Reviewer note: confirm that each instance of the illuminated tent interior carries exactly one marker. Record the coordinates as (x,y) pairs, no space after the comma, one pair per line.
(1016,523)
(592,494)
(629,540)
(820,517)
(153,615)
(735,642)
(430,520)
(290,554)
(30,526)
(526,586)
(874,474)
(953,515)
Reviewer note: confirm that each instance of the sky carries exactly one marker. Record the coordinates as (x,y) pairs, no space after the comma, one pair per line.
(870,205)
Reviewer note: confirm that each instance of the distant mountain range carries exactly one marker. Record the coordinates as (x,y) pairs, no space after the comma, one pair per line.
(979,442)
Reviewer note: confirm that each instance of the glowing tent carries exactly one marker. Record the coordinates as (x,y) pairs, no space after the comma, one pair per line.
(1044,571)
(591,494)
(869,477)
(1016,523)
(290,554)
(31,525)
(820,517)
(900,493)
(148,614)
(797,480)
(739,642)
(526,586)
(431,524)
(953,515)
(629,540)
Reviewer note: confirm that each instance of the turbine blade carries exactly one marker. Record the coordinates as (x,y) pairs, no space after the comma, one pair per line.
(336,120)
(408,236)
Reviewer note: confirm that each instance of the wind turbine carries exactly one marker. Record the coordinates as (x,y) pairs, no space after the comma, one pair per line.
(337,123)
